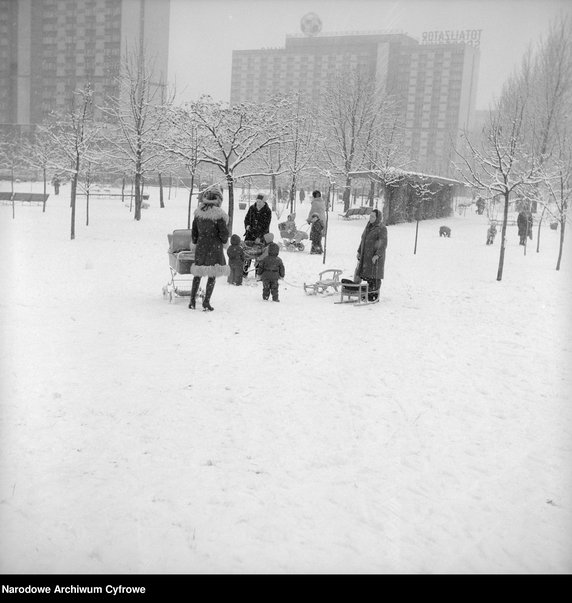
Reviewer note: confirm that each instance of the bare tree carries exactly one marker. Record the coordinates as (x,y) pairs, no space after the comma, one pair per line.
(72,135)
(350,115)
(183,142)
(302,146)
(234,135)
(39,153)
(502,164)
(136,119)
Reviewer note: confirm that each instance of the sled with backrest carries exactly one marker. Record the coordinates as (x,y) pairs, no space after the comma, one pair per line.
(327,278)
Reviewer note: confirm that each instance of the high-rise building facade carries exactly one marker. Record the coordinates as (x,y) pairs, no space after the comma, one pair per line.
(49,48)
(435,83)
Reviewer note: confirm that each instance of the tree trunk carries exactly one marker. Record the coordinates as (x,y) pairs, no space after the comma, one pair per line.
(123,190)
(87,207)
(45,188)
(326,227)
(137,215)
(371,194)
(161,204)
(190,201)
(72,204)
(503,236)
(416,233)
(538,231)
(562,227)
(347,194)
(230,184)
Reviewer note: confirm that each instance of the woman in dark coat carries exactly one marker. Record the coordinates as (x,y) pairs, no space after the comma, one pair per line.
(371,254)
(209,232)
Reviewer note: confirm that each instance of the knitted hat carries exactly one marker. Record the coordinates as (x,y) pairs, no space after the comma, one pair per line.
(235,240)
(261,197)
(211,196)
(273,249)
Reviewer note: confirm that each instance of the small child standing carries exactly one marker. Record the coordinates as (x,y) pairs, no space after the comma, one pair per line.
(235,260)
(316,234)
(270,269)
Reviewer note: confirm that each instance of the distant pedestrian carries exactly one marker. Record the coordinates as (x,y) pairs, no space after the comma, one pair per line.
(302,195)
(56,184)
(270,270)
(235,253)
(491,233)
(524,222)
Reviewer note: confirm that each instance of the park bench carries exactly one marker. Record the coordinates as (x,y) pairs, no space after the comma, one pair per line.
(105,195)
(356,212)
(31,198)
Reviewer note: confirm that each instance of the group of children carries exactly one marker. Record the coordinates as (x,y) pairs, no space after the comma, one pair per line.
(269,266)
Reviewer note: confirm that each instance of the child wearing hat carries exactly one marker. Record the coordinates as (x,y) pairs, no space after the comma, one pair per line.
(270,269)
(316,233)
(235,254)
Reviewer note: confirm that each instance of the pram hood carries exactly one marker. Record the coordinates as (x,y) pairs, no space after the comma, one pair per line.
(180,240)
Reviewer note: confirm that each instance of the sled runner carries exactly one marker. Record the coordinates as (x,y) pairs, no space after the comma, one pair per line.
(323,284)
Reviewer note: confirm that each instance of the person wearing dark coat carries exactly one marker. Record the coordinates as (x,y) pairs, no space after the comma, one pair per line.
(235,254)
(316,231)
(257,224)
(209,232)
(269,270)
(371,254)
(524,223)
(257,219)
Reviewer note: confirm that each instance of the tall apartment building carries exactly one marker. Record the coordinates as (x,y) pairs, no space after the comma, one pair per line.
(49,48)
(435,83)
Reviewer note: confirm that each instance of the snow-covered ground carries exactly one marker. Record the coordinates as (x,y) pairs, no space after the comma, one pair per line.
(429,433)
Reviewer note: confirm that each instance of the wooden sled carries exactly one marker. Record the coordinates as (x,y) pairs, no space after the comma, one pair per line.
(355,293)
(323,284)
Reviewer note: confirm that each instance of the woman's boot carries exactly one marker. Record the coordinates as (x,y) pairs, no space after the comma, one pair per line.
(209,291)
(194,290)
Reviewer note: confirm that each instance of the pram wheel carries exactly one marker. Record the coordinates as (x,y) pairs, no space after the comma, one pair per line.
(300,246)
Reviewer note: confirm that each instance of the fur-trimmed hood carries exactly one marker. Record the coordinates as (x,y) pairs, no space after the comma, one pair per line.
(211,212)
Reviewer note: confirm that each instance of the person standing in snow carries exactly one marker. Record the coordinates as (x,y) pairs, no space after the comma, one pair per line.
(371,254)
(235,254)
(318,206)
(269,270)
(257,224)
(524,223)
(209,232)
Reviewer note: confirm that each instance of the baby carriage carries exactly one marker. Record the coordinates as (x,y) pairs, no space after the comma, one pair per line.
(181,257)
(255,251)
(291,238)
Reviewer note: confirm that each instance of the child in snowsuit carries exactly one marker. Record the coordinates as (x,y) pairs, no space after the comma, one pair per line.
(316,234)
(235,255)
(269,270)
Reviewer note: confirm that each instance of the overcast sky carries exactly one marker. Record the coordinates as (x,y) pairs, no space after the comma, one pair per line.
(205,32)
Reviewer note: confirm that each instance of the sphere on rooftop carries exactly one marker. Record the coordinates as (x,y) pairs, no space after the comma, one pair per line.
(311,24)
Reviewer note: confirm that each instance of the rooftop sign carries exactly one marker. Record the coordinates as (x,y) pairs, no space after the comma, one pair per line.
(452,36)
